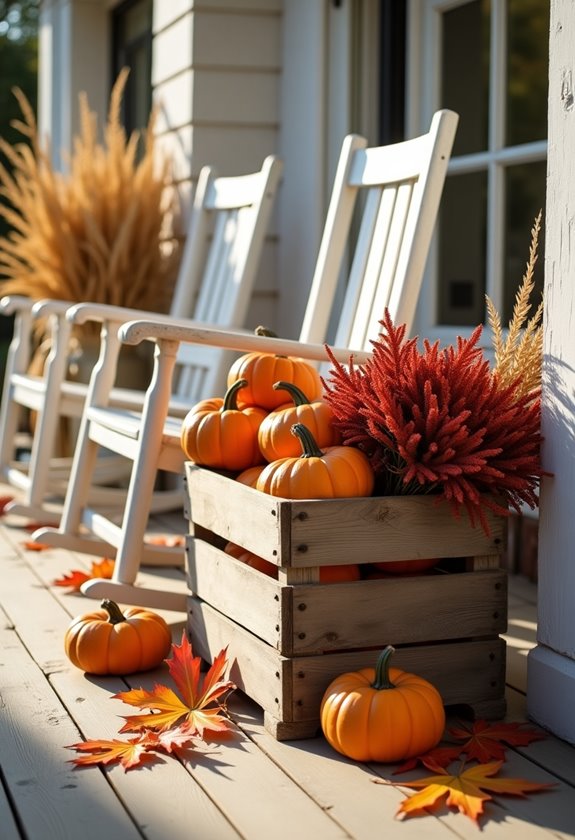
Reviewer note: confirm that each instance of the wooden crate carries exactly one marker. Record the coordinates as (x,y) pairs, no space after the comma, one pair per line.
(288,638)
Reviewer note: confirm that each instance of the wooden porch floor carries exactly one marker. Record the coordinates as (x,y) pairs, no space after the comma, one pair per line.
(249,786)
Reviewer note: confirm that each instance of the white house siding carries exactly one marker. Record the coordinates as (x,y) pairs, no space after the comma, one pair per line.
(551,665)
(216,71)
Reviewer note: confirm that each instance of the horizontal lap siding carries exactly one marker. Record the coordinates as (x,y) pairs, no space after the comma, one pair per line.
(216,76)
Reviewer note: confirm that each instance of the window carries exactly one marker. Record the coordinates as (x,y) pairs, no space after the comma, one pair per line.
(487,60)
(132,47)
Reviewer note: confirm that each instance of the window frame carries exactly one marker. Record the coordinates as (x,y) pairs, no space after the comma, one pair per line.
(423,98)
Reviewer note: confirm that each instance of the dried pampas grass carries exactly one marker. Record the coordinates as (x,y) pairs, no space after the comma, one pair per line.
(95,233)
(520,353)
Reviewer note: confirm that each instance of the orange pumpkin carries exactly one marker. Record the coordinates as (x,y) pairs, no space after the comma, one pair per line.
(109,641)
(336,472)
(339,574)
(250,476)
(275,437)
(407,567)
(382,713)
(223,436)
(262,370)
(251,559)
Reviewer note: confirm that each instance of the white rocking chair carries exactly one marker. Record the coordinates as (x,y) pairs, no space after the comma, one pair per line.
(403,184)
(228,222)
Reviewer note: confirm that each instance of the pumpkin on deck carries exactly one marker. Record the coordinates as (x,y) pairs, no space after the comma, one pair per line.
(382,714)
(109,641)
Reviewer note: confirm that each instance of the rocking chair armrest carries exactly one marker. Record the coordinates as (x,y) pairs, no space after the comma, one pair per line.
(81,313)
(13,304)
(45,308)
(133,332)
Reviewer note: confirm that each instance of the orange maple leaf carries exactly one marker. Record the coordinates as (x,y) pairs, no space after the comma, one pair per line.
(467,791)
(129,754)
(103,568)
(484,741)
(192,710)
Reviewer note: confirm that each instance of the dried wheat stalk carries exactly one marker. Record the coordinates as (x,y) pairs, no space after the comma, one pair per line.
(96,233)
(519,354)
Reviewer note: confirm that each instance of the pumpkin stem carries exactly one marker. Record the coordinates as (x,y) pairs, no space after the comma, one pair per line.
(310,449)
(231,397)
(382,680)
(297,395)
(114,612)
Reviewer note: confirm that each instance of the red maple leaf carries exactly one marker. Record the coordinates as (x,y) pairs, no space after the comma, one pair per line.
(196,708)
(436,760)
(484,741)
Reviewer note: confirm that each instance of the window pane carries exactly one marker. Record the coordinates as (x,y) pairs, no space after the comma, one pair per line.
(465,73)
(527,69)
(461,275)
(132,47)
(525,197)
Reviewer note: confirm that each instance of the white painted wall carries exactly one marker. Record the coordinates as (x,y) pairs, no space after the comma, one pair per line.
(551,665)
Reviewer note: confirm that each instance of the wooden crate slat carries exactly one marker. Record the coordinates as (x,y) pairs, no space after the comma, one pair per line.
(398,610)
(291,688)
(316,618)
(335,531)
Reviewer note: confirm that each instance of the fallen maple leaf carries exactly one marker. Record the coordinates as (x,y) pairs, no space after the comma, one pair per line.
(74,579)
(5,500)
(484,741)
(191,710)
(34,546)
(435,760)
(467,792)
(129,754)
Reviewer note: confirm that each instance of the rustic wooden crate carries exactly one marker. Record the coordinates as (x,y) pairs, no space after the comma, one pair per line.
(288,638)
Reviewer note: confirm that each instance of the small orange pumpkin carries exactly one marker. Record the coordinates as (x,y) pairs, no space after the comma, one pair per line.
(250,476)
(262,370)
(336,472)
(222,436)
(274,435)
(251,559)
(382,713)
(109,641)
(407,567)
(339,574)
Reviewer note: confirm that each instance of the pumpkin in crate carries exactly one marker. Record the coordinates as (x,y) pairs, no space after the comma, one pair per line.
(407,567)
(251,559)
(263,370)
(216,433)
(109,641)
(382,713)
(250,476)
(274,435)
(335,472)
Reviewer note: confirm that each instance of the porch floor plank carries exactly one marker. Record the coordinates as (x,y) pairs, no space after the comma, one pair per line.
(247,785)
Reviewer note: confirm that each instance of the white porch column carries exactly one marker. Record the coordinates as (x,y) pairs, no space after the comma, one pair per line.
(73,57)
(551,665)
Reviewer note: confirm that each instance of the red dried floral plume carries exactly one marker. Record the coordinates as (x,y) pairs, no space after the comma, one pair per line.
(438,420)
